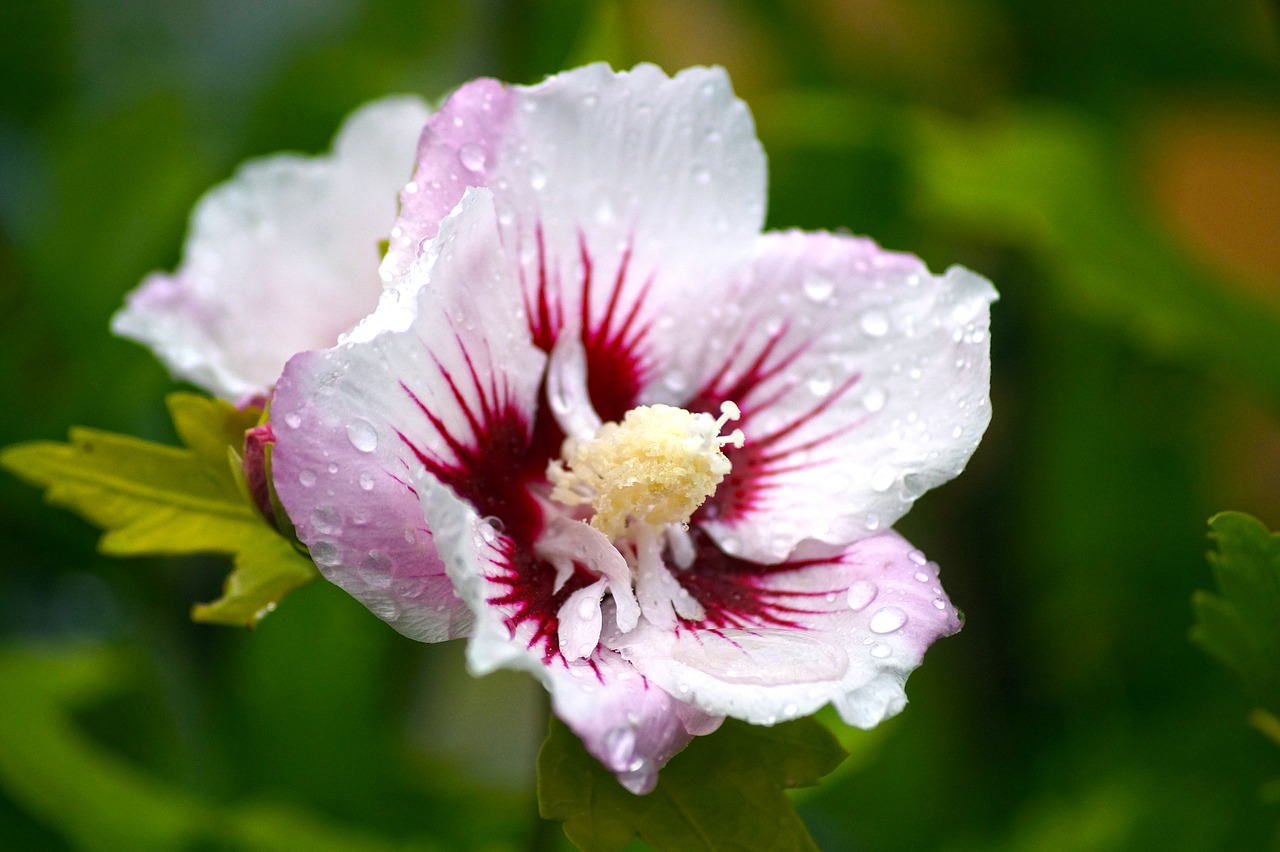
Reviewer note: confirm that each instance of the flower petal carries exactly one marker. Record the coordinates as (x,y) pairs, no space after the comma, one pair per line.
(622,193)
(627,723)
(863,382)
(280,259)
(781,641)
(437,388)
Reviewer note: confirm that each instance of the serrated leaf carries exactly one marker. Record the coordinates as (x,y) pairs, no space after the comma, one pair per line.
(724,791)
(1241,625)
(158,500)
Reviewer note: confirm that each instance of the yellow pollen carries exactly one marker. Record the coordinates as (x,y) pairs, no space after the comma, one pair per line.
(657,467)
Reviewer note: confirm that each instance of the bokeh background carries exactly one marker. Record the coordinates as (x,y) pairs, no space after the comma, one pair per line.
(1113,166)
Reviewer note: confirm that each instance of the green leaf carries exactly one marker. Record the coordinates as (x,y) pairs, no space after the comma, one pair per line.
(99,800)
(153,499)
(1241,625)
(725,791)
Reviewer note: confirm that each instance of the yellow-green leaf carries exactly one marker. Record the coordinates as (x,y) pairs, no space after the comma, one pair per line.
(153,499)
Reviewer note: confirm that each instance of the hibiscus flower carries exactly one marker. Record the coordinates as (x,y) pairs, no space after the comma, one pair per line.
(280,259)
(610,432)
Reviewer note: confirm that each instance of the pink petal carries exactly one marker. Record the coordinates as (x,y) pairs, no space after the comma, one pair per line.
(781,641)
(280,259)
(437,389)
(862,380)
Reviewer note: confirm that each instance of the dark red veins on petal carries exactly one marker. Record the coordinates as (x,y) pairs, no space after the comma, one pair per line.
(613,340)
(734,593)
(756,387)
(484,467)
(481,467)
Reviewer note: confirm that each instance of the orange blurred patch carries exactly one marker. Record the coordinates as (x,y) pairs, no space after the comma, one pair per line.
(1215,176)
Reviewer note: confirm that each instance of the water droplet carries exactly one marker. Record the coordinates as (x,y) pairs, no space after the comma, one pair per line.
(366,480)
(376,569)
(620,743)
(939,603)
(874,323)
(872,522)
(702,176)
(293,420)
(471,156)
(861,593)
(790,710)
(332,468)
(326,521)
(265,611)
(587,608)
(324,554)
(820,386)
(874,399)
(887,619)
(917,557)
(882,478)
(683,688)
(922,577)
(537,175)
(819,287)
(881,650)
(362,435)
(307,478)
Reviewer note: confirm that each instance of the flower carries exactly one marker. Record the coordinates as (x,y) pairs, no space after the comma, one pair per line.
(280,259)
(603,427)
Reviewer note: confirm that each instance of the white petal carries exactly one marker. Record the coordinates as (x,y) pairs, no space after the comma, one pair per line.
(280,259)
(627,191)
(629,725)
(354,424)
(863,382)
(846,631)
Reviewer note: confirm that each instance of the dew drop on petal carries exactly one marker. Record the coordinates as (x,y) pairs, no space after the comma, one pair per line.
(326,521)
(376,570)
(880,650)
(917,557)
(882,478)
(366,480)
(874,399)
(324,554)
(620,743)
(537,175)
(362,435)
(874,323)
(819,287)
(293,420)
(887,619)
(307,478)
(820,386)
(471,156)
(939,603)
(861,593)
(922,577)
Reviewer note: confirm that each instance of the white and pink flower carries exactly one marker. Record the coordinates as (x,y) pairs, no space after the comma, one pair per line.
(533,441)
(281,258)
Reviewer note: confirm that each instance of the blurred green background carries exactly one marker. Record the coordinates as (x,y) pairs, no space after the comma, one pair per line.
(1113,166)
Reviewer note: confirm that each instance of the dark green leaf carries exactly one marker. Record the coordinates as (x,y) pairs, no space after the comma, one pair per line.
(725,791)
(1241,625)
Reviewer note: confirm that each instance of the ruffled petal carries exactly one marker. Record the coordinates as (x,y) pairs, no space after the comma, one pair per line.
(632,727)
(781,641)
(280,259)
(622,194)
(435,388)
(863,382)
